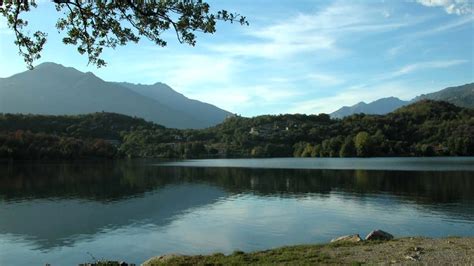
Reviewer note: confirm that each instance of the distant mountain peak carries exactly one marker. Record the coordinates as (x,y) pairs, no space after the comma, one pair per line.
(460,95)
(54,69)
(54,89)
(49,64)
(54,66)
(160,84)
(380,106)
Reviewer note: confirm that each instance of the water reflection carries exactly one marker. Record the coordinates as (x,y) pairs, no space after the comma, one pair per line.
(50,207)
(58,223)
(107,182)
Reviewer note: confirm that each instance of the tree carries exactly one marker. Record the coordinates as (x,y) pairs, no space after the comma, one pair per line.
(257,151)
(273,150)
(95,25)
(308,150)
(363,144)
(325,148)
(379,145)
(299,148)
(347,148)
(316,151)
(335,146)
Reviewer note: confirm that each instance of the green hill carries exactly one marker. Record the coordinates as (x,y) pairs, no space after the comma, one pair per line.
(424,128)
(460,95)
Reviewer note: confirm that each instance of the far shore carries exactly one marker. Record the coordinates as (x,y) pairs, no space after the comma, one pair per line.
(408,250)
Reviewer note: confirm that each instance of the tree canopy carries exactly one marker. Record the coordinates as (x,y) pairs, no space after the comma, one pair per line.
(92,26)
(426,128)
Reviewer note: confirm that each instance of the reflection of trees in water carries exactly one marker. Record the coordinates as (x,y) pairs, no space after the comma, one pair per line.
(107,181)
(421,186)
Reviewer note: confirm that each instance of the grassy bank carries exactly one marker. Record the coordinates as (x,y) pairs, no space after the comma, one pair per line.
(413,250)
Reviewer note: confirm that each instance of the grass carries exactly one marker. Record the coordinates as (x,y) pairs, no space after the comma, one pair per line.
(301,255)
(428,251)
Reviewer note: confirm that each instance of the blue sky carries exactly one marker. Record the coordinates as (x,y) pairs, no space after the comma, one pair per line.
(295,57)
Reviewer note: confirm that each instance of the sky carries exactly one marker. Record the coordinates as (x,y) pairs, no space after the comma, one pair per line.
(294,57)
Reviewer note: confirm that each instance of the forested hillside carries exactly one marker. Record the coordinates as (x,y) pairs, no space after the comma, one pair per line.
(425,128)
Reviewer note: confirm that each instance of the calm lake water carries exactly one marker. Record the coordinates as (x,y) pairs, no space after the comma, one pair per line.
(68,213)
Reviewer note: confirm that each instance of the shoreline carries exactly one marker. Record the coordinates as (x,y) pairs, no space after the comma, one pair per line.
(174,159)
(407,250)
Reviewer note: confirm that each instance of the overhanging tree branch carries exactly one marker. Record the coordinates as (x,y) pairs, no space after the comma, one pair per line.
(91,26)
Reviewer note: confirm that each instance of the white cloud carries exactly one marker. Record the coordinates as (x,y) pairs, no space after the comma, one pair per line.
(395,50)
(248,99)
(467,20)
(277,48)
(423,66)
(316,32)
(197,69)
(230,99)
(459,7)
(408,40)
(325,79)
(184,71)
(271,94)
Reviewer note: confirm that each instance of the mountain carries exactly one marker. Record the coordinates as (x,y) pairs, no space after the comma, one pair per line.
(54,89)
(461,96)
(166,96)
(380,106)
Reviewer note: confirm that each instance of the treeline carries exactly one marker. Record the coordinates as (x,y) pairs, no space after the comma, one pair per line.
(40,146)
(426,128)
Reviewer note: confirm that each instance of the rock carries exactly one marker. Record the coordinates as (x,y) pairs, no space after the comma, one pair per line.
(379,235)
(160,259)
(106,262)
(348,238)
(413,257)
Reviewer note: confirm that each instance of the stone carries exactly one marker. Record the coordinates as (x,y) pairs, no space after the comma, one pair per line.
(348,238)
(379,235)
(413,257)
(161,259)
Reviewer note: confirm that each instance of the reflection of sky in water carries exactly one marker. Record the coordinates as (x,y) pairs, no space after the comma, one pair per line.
(223,224)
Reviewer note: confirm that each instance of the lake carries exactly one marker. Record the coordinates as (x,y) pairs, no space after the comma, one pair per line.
(70,213)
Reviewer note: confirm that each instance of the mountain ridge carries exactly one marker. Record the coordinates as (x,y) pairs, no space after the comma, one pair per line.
(53,89)
(462,95)
(165,95)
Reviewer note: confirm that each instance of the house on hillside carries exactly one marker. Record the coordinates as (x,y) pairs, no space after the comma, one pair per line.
(264,130)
